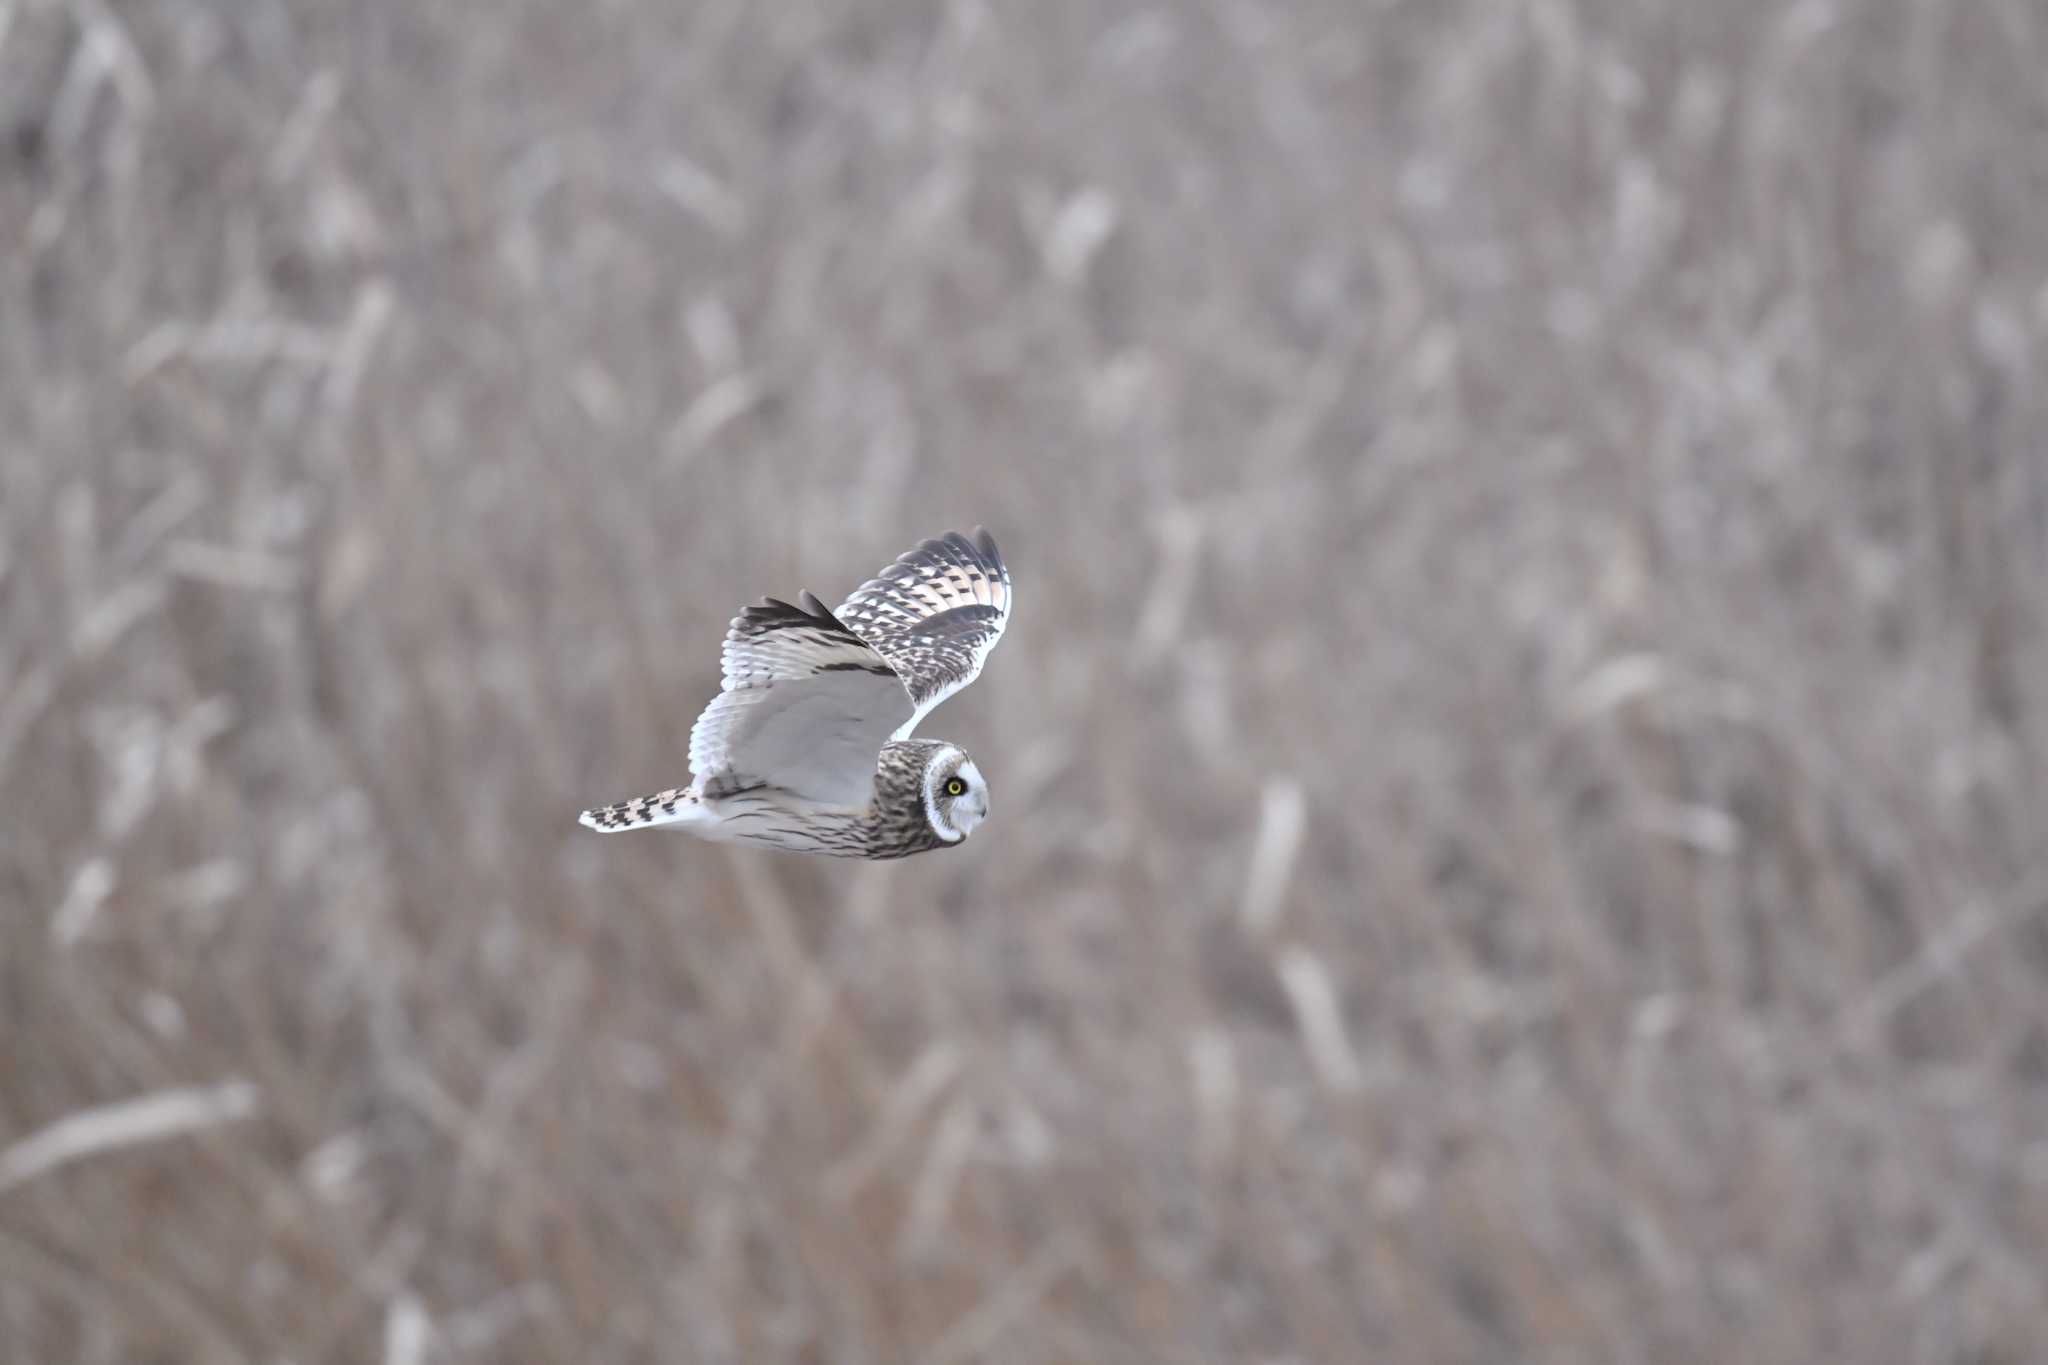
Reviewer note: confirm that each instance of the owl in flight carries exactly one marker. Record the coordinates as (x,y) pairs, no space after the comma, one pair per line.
(808,746)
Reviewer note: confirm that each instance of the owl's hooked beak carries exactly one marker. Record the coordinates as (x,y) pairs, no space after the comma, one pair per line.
(972,808)
(970,811)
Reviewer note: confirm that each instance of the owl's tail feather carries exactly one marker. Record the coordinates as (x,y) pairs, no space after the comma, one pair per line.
(678,805)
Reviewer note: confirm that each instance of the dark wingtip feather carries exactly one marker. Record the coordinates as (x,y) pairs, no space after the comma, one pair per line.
(772,613)
(949,548)
(816,608)
(765,614)
(980,549)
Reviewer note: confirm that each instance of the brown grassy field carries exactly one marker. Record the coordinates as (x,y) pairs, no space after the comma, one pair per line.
(1520,772)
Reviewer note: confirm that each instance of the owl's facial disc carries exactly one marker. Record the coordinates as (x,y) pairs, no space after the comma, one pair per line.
(957,799)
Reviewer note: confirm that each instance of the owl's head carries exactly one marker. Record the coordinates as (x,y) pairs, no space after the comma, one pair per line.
(955,796)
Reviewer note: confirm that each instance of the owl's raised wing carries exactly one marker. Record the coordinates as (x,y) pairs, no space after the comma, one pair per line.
(806,706)
(934,615)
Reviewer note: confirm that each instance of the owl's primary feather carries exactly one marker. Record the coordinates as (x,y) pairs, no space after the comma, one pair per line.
(808,744)
(934,615)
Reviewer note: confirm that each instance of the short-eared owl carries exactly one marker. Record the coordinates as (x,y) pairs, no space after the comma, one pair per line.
(808,746)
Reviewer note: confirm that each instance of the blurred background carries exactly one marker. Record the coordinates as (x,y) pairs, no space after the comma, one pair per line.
(1519,770)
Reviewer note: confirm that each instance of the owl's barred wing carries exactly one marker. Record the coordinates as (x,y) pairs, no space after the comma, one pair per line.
(934,615)
(807,707)
(811,696)
(774,641)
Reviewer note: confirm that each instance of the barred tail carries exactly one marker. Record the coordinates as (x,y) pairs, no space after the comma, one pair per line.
(677,805)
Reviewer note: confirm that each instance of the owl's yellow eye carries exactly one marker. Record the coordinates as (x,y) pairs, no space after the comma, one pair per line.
(955,787)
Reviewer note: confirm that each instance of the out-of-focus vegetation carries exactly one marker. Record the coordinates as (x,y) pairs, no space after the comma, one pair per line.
(1520,773)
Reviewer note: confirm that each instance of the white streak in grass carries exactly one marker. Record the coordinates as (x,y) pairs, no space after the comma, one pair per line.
(1706,829)
(1204,703)
(124,60)
(105,52)
(1320,1016)
(1137,45)
(231,566)
(1282,822)
(599,395)
(1615,683)
(418,1087)
(114,615)
(1120,389)
(716,408)
(1027,1139)
(1807,21)
(1214,1064)
(184,756)
(1940,958)
(126,1123)
(931,208)
(163,514)
(226,341)
(1084,223)
(713,334)
(407,1330)
(90,887)
(702,195)
(1173,585)
(333,1170)
(357,343)
(1931,1266)
(315,107)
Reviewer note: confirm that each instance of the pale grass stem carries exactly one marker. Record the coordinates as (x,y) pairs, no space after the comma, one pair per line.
(126,1123)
